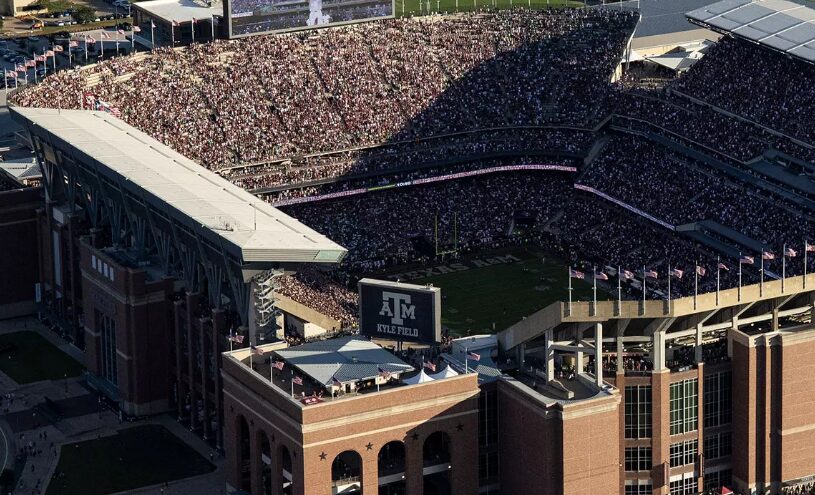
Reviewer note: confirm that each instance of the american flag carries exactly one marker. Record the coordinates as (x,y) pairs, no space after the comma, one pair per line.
(651,273)
(791,252)
(767,255)
(58,48)
(136,29)
(724,267)
(335,382)
(700,270)
(175,24)
(11,74)
(91,40)
(40,58)
(73,44)
(576,274)
(430,366)
(676,272)
(256,351)
(473,356)
(121,31)
(49,53)
(600,276)
(236,338)
(20,68)
(279,364)
(627,275)
(809,247)
(384,373)
(30,63)
(104,35)
(747,260)
(297,380)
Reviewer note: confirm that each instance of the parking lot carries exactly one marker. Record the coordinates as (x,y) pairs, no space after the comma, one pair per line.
(22,24)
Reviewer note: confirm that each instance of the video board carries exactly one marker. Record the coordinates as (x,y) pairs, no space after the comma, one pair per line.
(401,312)
(249,17)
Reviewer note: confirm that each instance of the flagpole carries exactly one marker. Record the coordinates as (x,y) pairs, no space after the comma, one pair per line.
(152,36)
(594,291)
(292,383)
(740,263)
(212,25)
(230,342)
(466,369)
(783,267)
(695,282)
(192,29)
(761,272)
(669,285)
(570,291)
(86,49)
(619,291)
(644,276)
(718,266)
(806,248)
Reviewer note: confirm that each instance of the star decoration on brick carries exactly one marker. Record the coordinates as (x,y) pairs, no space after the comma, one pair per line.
(369,446)
(460,427)
(415,436)
(323,456)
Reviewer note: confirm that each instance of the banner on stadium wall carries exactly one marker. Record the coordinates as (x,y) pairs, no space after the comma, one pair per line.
(427,180)
(400,312)
(625,205)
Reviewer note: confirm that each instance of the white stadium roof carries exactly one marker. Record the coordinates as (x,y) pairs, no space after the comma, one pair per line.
(779,24)
(202,198)
(180,11)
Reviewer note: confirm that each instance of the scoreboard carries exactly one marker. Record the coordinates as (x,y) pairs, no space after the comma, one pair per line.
(401,312)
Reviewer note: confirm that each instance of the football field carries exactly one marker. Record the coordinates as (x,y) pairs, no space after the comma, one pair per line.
(489,292)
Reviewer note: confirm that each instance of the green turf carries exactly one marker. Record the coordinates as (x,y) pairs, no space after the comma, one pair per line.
(133,458)
(422,7)
(27,357)
(502,294)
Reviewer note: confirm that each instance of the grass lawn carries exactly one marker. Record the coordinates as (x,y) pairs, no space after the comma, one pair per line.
(420,7)
(135,457)
(27,357)
(504,293)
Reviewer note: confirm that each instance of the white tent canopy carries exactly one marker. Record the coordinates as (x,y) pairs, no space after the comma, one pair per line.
(447,372)
(422,377)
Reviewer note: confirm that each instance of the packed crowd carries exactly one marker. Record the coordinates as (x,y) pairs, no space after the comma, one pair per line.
(679,191)
(275,97)
(734,74)
(447,150)
(316,290)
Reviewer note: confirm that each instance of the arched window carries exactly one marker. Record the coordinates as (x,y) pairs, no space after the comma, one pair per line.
(391,468)
(437,464)
(244,454)
(286,470)
(265,462)
(346,472)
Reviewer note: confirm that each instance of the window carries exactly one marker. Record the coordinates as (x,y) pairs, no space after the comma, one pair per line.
(638,458)
(718,445)
(685,486)
(638,411)
(718,479)
(106,326)
(639,487)
(684,404)
(487,418)
(717,404)
(487,465)
(683,453)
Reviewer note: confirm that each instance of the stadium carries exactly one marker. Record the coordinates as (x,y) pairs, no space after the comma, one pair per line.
(518,159)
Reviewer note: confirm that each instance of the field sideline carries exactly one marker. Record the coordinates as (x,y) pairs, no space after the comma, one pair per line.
(489,297)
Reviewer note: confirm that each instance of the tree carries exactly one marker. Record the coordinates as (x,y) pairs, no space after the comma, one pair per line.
(84,14)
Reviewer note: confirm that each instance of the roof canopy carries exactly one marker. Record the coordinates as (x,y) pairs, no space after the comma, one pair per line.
(195,196)
(778,24)
(346,359)
(181,11)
